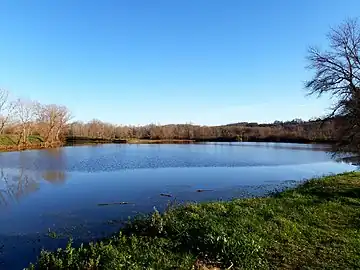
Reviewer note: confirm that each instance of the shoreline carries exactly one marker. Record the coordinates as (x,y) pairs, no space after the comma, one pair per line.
(20,148)
(310,226)
(86,141)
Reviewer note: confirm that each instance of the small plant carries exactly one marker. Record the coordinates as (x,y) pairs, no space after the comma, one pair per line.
(157,222)
(52,234)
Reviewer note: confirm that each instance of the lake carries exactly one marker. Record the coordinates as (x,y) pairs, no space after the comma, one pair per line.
(71,190)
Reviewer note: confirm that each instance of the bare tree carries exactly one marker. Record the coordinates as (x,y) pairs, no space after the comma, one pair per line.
(337,72)
(25,115)
(46,115)
(63,117)
(52,120)
(6,109)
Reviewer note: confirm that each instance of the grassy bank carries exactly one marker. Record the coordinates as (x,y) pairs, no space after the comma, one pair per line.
(315,226)
(10,143)
(11,140)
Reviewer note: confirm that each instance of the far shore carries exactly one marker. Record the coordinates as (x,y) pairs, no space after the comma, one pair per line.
(79,141)
(85,140)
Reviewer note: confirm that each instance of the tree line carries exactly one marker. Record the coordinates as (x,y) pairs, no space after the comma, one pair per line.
(292,131)
(22,118)
(51,123)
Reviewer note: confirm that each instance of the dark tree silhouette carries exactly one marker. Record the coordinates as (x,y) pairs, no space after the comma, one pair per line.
(337,72)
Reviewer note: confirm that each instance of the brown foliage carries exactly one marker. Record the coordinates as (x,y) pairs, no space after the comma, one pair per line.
(25,118)
(292,131)
(52,119)
(51,122)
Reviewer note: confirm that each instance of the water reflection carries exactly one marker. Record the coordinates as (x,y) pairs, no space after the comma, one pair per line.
(24,179)
(25,172)
(55,177)
(62,188)
(55,165)
(13,186)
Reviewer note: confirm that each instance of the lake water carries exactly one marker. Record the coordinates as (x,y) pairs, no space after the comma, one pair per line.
(62,190)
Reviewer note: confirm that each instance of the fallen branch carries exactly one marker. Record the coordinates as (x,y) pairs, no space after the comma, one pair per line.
(203,190)
(119,203)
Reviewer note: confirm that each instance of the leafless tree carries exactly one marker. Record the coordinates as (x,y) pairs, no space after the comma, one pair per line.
(25,115)
(46,118)
(6,109)
(52,120)
(337,72)
(63,117)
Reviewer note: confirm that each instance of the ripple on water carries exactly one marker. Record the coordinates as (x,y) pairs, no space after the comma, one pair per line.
(113,158)
(62,188)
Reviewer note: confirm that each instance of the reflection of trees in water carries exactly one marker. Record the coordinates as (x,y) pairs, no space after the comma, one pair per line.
(15,186)
(55,177)
(55,166)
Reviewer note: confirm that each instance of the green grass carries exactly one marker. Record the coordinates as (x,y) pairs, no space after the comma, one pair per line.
(7,140)
(315,226)
(35,139)
(11,140)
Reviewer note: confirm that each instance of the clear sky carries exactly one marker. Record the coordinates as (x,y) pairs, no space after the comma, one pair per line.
(167,61)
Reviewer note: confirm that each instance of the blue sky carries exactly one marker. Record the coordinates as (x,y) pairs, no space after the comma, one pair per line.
(138,62)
